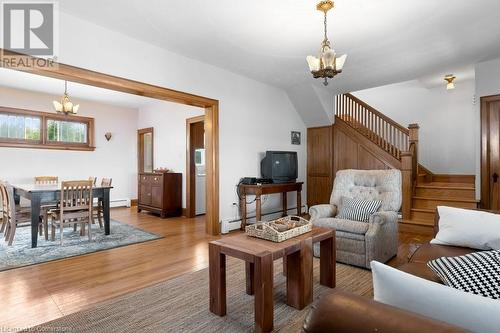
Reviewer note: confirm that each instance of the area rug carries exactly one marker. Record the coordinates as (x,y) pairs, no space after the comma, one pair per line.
(181,305)
(21,254)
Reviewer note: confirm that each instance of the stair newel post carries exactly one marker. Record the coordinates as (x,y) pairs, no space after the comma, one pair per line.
(413,140)
(407,179)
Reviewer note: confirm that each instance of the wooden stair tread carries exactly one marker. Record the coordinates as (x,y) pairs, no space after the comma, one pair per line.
(446,199)
(450,187)
(426,223)
(424,210)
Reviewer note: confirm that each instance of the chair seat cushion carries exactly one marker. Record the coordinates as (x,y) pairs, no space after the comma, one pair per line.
(349,226)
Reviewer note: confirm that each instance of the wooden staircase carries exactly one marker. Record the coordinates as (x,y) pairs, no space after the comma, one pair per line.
(423,191)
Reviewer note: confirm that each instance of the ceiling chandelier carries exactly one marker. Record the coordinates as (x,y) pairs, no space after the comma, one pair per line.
(65,105)
(328,64)
(449,81)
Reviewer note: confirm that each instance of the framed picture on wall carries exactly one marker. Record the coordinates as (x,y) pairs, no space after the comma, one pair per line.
(295,138)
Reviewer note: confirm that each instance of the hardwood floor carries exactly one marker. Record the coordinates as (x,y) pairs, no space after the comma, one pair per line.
(40,293)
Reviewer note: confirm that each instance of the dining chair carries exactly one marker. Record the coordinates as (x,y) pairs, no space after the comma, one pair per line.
(14,218)
(99,208)
(75,207)
(44,209)
(49,180)
(3,212)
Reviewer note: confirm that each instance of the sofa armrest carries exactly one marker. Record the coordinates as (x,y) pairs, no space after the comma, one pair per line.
(340,312)
(321,211)
(384,217)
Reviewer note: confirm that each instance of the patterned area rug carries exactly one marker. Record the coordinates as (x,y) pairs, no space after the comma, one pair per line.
(181,305)
(21,254)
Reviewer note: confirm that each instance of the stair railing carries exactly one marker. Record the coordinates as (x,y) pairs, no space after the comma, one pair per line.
(380,129)
(398,141)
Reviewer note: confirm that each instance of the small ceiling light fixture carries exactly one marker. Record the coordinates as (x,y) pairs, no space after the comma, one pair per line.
(449,79)
(65,106)
(328,64)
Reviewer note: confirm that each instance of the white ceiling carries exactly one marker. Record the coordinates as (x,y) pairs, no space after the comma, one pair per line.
(32,82)
(386,41)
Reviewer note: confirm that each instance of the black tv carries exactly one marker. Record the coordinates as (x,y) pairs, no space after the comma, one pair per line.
(280,166)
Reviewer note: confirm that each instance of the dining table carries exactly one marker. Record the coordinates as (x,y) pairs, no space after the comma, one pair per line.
(43,194)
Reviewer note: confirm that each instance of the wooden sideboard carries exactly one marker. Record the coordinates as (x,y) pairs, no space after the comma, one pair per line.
(160,193)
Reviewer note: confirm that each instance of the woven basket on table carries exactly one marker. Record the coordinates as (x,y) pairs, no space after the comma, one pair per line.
(265,231)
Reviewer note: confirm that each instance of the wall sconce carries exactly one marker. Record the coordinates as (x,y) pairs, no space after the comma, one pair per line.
(449,79)
(108,136)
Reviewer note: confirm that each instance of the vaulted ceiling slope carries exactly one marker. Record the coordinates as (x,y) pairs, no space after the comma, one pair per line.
(386,41)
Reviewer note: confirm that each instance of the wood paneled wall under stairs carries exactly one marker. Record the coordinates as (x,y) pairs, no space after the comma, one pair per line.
(338,147)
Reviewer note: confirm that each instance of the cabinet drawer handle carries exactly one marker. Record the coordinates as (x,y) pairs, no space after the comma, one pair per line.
(149,194)
(156,179)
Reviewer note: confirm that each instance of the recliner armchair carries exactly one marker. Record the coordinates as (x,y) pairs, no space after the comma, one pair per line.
(358,243)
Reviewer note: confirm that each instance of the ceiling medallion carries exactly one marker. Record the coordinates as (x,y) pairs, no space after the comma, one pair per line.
(327,64)
(65,105)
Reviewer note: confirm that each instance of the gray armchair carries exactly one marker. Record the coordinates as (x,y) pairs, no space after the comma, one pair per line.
(358,243)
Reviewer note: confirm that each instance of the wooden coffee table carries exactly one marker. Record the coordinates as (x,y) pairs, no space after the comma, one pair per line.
(259,256)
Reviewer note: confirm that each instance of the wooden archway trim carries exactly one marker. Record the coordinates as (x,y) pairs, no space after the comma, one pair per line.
(97,79)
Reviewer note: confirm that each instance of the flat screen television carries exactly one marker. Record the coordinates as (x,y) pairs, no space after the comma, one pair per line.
(280,166)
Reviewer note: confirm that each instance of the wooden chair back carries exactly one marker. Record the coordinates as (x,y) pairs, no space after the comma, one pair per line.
(4,202)
(46,180)
(76,199)
(106,182)
(9,202)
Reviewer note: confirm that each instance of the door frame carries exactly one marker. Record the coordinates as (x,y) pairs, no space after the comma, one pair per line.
(140,152)
(485,151)
(190,177)
(70,73)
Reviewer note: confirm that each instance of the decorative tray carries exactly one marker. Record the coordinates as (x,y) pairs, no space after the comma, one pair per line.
(280,229)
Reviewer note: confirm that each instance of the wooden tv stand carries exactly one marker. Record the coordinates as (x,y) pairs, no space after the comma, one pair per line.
(259,190)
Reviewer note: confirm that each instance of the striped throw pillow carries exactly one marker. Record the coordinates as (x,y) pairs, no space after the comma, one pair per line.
(358,209)
(477,272)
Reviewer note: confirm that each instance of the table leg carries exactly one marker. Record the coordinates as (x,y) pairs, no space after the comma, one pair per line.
(217,276)
(285,205)
(258,208)
(105,211)
(35,218)
(327,262)
(264,304)
(250,276)
(243,211)
(284,265)
(299,203)
(299,281)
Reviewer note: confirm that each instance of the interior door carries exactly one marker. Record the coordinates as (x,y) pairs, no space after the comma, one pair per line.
(490,159)
(145,149)
(319,165)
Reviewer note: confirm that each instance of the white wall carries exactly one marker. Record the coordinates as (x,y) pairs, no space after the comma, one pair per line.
(487,83)
(169,123)
(116,158)
(447,139)
(254,116)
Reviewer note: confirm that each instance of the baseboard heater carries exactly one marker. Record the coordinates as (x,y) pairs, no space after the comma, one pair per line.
(119,203)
